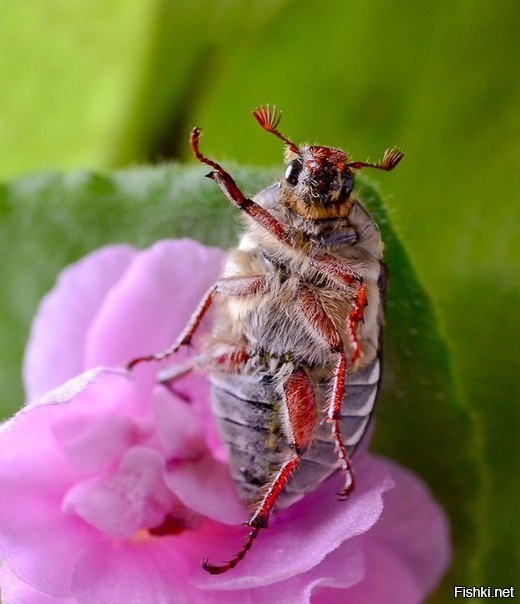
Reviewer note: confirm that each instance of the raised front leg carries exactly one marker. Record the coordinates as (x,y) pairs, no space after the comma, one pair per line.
(302,415)
(324,263)
(230,190)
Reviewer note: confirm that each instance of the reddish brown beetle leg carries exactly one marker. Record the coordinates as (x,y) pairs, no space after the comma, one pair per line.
(323,325)
(186,335)
(301,406)
(230,190)
(340,273)
(333,416)
(354,318)
(232,286)
(232,361)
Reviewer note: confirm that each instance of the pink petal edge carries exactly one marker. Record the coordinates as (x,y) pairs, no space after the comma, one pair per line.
(56,347)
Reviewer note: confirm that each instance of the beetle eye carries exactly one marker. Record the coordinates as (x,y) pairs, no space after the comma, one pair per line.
(347,186)
(293,171)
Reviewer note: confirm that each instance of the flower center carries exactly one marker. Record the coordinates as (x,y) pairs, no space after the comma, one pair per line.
(171,525)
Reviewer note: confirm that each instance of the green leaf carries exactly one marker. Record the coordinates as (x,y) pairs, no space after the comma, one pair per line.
(423,419)
(107,82)
(51,220)
(69,71)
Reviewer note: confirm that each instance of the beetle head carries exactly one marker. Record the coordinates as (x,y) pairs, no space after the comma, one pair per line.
(318,181)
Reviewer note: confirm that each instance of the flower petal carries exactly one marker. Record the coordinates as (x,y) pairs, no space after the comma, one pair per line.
(206,486)
(414,528)
(15,591)
(386,581)
(406,552)
(152,572)
(179,426)
(122,502)
(88,468)
(342,568)
(152,302)
(93,443)
(56,349)
(318,524)
(40,544)
(47,567)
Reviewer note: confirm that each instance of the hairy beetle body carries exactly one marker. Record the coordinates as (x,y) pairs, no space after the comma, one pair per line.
(293,357)
(249,406)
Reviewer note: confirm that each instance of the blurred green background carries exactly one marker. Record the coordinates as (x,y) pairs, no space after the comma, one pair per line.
(108,84)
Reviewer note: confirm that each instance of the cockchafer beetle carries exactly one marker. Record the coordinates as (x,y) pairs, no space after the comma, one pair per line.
(293,357)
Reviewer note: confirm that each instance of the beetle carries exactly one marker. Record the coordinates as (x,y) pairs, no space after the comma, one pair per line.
(294,354)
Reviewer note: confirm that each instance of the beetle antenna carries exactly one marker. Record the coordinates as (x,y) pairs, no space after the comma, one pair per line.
(269,119)
(390,160)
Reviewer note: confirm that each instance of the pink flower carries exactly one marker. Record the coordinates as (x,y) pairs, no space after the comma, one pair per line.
(114,488)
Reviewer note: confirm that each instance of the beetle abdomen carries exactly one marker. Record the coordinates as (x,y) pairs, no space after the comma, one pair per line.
(250,418)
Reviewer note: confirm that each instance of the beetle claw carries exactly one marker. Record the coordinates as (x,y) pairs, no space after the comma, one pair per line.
(214,569)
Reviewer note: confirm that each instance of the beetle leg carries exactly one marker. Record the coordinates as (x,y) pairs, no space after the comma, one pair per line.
(355,316)
(319,319)
(187,333)
(324,263)
(232,361)
(241,286)
(238,286)
(333,417)
(302,415)
(168,376)
(323,325)
(230,190)
(335,270)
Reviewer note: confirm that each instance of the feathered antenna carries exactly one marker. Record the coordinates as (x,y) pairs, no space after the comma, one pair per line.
(390,160)
(269,120)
